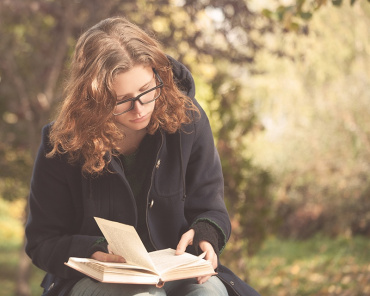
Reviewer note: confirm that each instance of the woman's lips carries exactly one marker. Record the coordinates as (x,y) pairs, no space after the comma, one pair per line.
(140,119)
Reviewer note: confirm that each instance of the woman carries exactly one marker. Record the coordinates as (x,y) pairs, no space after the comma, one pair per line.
(132,145)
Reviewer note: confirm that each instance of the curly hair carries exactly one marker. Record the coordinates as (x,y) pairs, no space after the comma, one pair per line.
(85,128)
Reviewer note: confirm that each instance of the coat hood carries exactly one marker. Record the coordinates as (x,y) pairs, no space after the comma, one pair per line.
(183,77)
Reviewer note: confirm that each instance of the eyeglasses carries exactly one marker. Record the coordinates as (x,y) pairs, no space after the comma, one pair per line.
(146,97)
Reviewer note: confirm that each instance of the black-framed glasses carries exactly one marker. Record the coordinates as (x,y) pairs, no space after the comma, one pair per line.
(146,97)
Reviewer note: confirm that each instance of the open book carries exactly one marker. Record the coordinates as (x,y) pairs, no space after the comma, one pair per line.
(141,267)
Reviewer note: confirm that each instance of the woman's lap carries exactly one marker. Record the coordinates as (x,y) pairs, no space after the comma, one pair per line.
(188,287)
(89,287)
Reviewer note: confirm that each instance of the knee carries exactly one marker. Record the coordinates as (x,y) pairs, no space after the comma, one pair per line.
(140,290)
(213,287)
(154,291)
(205,290)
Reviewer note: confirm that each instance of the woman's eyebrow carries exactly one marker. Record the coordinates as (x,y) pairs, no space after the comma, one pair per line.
(145,85)
(140,89)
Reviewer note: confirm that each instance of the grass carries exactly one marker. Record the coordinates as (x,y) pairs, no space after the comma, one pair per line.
(319,266)
(11,235)
(9,263)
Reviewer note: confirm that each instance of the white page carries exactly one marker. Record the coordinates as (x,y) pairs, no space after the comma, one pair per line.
(123,240)
(165,260)
(115,265)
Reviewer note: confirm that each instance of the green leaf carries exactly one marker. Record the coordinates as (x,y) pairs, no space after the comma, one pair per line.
(280,11)
(305,15)
(300,3)
(337,2)
(267,13)
(294,26)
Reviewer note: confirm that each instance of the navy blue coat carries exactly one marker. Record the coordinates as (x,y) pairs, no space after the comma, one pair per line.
(63,201)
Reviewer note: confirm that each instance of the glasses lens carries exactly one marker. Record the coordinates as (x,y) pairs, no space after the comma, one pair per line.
(123,107)
(151,96)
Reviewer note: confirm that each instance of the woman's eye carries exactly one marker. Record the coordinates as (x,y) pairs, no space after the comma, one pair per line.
(149,86)
(121,100)
(145,88)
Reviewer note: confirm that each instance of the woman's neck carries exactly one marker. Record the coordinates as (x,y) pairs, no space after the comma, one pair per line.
(131,141)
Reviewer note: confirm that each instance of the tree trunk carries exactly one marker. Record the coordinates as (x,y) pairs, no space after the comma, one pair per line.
(23,274)
(36,116)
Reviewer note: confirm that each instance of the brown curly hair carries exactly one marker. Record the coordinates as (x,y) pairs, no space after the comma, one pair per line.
(85,128)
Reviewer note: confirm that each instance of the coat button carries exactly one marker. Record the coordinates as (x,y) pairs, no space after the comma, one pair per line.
(232,283)
(158,164)
(151,204)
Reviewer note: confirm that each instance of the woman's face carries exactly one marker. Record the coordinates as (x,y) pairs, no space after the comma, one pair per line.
(131,84)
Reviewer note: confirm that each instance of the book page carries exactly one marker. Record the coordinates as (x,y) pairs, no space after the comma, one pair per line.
(165,260)
(112,265)
(123,240)
(101,272)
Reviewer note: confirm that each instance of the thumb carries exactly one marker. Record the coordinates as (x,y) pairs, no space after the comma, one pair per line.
(186,240)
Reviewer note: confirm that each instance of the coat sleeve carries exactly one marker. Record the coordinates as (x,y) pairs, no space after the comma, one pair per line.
(204,181)
(53,222)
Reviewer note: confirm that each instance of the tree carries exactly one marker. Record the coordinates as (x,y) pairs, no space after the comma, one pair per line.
(294,16)
(316,138)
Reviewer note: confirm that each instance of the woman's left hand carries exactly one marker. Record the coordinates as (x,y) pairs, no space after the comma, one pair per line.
(186,240)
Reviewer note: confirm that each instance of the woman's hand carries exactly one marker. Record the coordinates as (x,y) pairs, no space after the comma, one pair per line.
(105,257)
(186,240)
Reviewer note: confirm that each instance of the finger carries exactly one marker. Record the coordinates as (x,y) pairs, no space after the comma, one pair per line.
(104,257)
(116,258)
(210,253)
(214,262)
(183,243)
(212,257)
(203,279)
(186,240)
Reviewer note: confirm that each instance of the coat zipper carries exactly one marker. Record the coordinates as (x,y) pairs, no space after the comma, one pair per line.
(156,166)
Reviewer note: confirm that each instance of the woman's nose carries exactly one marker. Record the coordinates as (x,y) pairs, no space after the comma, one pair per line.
(138,106)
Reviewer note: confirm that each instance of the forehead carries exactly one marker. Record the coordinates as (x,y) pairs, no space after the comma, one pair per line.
(130,82)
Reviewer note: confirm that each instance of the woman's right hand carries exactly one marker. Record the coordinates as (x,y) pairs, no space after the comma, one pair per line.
(105,257)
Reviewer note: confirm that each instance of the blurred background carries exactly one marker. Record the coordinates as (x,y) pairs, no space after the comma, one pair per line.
(286,85)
